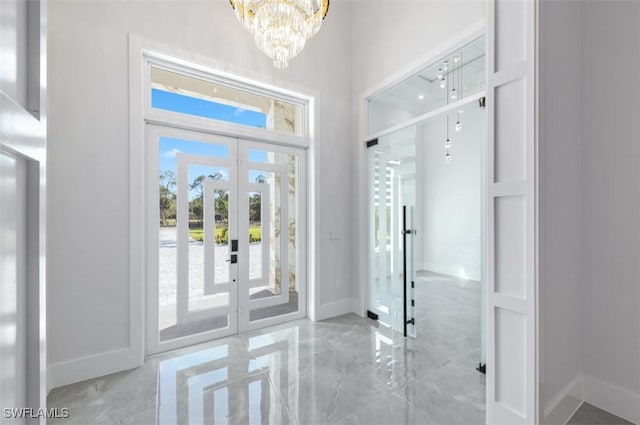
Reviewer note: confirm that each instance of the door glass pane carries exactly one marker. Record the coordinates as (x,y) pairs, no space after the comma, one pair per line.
(441,196)
(186,94)
(256,230)
(217,226)
(456,76)
(273,252)
(392,170)
(193,212)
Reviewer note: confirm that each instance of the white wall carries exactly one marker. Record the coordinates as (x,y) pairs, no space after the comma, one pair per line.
(450,220)
(560,210)
(589,207)
(610,62)
(89,147)
(386,37)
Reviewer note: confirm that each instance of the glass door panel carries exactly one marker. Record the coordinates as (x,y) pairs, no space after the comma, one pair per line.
(192,210)
(271,211)
(226,235)
(392,170)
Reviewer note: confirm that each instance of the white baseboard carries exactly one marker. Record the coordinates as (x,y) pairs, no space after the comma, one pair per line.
(83,368)
(613,399)
(335,308)
(357,308)
(565,403)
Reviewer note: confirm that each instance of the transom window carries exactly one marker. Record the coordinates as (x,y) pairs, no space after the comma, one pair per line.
(199,97)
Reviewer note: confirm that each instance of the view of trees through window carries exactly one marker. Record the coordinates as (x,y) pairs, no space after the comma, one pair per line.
(168,197)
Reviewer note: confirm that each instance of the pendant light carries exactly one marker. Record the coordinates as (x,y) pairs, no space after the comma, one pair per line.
(447,145)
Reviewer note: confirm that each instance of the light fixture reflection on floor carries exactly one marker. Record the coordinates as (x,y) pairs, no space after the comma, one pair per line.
(281,28)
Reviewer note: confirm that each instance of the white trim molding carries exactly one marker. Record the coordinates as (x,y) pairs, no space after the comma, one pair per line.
(612,398)
(585,388)
(80,369)
(23,137)
(565,403)
(335,308)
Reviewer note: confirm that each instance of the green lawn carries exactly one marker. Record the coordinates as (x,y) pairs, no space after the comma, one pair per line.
(255,234)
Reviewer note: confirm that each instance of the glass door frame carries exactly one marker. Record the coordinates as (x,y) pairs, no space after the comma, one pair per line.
(245,305)
(366,137)
(239,188)
(153,134)
(390,215)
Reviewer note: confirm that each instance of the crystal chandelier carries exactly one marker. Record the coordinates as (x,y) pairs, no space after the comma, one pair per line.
(281,28)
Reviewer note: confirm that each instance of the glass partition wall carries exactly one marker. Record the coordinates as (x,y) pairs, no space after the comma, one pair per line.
(392,196)
(426,216)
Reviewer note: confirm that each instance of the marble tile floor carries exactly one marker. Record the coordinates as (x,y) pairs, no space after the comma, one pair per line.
(345,370)
(588,414)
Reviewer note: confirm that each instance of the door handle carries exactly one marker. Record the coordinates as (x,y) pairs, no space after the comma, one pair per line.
(233,259)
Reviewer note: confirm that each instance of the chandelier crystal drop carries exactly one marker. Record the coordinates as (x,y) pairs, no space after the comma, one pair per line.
(281,28)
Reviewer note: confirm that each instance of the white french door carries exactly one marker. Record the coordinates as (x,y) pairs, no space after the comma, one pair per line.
(225,236)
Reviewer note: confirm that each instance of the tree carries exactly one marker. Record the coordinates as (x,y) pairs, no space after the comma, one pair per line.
(255,202)
(196,208)
(167,196)
(255,206)
(197,204)
(222,206)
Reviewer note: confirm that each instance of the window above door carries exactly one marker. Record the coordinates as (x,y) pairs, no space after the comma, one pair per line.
(223,101)
(450,78)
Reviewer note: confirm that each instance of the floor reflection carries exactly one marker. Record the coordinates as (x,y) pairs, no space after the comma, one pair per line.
(346,370)
(217,386)
(337,371)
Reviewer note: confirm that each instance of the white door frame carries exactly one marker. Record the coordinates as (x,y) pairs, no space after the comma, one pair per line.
(23,136)
(142,54)
(512,213)
(239,304)
(154,132)
(501,407)
(245,305)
